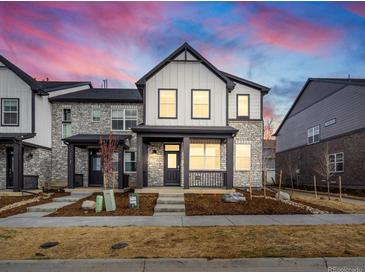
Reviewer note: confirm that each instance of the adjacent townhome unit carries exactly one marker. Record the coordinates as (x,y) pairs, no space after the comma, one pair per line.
(323,134)
(25,130)
(202,127)
(186,124)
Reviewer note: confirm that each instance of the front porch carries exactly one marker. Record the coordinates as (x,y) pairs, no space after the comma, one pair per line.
(84,167)
(164,157)
(180,190)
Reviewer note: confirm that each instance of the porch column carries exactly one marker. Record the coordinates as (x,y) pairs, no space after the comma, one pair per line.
(18,178)
(121,183)
(186,161)
(229,162)
(145,164)
(71,165)
(139,183)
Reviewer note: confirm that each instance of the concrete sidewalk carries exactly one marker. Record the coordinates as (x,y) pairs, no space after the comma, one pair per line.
(185,265)
(34,219)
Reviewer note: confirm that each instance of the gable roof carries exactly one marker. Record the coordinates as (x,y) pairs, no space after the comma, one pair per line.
(100,95)
(317,90)
(240,80)
(22,74)
(41,87)
(185,47)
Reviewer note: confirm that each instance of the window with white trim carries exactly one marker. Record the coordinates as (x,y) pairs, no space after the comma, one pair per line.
(66,122)
(130,161)
(205,156)
(95,113)
(10,112)
(313,135)
(124,119)
(243,157)
(336,162)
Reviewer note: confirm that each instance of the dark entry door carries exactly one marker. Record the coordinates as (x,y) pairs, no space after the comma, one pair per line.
(172,168)
(9,167)
(95,171)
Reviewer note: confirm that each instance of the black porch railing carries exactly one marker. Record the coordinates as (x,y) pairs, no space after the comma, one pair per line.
(207,178)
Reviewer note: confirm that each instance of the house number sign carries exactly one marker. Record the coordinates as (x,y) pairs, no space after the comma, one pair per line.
(133,200)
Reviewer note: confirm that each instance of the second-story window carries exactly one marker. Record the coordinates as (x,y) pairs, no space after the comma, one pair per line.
(200,100)
(10,112)
(243,106)
(313,135)
(66,122)
(167,105)
(124,119)
(95,113)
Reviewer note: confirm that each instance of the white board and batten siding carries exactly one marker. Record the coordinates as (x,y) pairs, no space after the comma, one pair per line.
(255,101)
(185,76)
(11,86)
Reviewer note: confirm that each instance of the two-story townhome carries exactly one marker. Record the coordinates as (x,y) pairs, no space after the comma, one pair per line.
(187,124)
(324,130)
(202,127)
(25,129)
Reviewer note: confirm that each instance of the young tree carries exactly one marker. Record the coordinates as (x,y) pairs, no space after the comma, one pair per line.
(292,164)
(268,129)
(107,148)
(325,168)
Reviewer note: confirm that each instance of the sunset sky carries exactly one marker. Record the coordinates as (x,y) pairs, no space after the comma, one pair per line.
(275,44)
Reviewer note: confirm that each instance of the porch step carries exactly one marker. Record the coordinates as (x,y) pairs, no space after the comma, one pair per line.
(171,195)
(171,200)
(71,198)
(170,208)
(169,214)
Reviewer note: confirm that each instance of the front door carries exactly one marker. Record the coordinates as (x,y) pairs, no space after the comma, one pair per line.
(9,167)
(95,171)
(172,168)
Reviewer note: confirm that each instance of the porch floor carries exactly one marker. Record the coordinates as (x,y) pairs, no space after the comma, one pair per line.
(173,190)
(93,190)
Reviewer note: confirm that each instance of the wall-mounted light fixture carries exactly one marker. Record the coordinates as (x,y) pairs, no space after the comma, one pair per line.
(30,156)
(154,151)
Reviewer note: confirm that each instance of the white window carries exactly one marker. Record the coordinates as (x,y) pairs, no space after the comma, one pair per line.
(66,123)
(95,113)
(129,161)
(167,107)
(10,112)
(243,109)
(205,156)
(124,119)
(200,104)
(243,157)
(336,162)
(313,135)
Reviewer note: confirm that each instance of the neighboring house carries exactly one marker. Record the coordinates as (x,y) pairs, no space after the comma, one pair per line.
(187,124)
(25,130)
(269,160)
(326,123)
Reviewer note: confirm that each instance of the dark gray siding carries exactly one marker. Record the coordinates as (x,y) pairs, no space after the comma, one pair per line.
(346,105)
(314,92)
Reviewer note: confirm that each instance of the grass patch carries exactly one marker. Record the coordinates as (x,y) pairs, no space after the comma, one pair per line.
(192,242)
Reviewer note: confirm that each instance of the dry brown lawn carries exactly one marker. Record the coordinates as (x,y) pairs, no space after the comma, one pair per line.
(332,205)
(177,242)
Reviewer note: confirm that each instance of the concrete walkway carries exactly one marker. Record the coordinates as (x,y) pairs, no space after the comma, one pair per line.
(184,265)
(35,219)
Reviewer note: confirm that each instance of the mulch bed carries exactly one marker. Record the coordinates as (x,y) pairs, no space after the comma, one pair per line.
(212,204)
(23,208)
(147,204)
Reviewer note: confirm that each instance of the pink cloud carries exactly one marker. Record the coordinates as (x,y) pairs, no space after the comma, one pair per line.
(356,7)
(280,28)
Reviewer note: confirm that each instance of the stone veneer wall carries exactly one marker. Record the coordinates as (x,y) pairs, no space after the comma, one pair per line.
(2,166)
(83,124)
(38,164)
(250,132)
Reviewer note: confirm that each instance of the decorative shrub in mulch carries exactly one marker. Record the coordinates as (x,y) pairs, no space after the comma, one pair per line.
(147,202)
(212,204)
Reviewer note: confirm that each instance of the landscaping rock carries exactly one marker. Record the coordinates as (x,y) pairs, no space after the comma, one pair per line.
(119,245)
(282,196)
(48,245)
(88,205)
(235,197)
